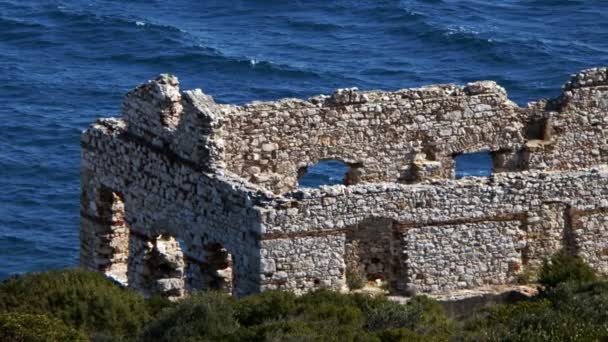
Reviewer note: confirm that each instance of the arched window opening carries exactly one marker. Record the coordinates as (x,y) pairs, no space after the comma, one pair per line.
(477,164)
(326,172)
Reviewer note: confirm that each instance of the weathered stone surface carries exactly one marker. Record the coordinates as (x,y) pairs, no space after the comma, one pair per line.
(182,194)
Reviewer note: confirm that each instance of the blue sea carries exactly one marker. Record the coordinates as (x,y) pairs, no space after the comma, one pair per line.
(65,63)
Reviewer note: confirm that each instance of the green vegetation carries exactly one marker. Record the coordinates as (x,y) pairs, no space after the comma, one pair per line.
(355,279)
(316,316)
(571,307)
(564,268)
(75,305)
(569,313)
(20,327)
(208,316)
(84,300)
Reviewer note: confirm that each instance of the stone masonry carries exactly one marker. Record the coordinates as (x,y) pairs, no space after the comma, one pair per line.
(182,194)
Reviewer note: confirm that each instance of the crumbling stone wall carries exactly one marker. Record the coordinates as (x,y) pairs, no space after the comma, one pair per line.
(157,266)
(165,196)
(456,234)
(385,136)
(413,134)
(182,194)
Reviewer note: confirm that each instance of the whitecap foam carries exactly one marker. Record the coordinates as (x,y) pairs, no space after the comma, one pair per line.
(452,30)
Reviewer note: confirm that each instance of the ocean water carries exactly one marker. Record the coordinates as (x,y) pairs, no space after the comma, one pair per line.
(65,63)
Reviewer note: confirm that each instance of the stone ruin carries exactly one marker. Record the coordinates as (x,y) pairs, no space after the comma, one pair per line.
(182,194)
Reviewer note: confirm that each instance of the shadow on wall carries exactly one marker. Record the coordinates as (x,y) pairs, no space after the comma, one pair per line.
(157,264)
(373,254)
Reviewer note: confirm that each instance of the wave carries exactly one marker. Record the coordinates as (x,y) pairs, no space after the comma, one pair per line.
(9,24)
(64,65)
(144,42)
(560,3)
(313,25)
(210,58)
(15,30)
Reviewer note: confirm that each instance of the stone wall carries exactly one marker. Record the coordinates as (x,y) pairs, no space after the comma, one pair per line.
(456,234)
(380,134)
(413,134)
(183,194)
(164,197)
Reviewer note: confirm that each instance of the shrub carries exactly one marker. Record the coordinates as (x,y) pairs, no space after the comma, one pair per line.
(562,268)
(324,296)
(85,300)
(528,276)
(22,327)
(582,301)
(302,330)
(388,315)
(569,311)
(421,316)
(206,316)
(333,315)
(330,309)
(500,321)
(531,321)
(271,305)
(355,279)
(279,331)
(402,334)
(429,317)
(571,308)
(321,315)
(156,304)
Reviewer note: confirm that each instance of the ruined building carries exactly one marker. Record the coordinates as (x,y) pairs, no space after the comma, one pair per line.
(181,193)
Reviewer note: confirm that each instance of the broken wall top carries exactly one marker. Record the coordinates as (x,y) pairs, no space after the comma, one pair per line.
(406,136)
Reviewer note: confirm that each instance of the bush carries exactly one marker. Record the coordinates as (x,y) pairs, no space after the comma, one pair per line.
(586,302)
(531,321)
(528,276)
(502,322)
(85,300)
(207,316)
(568,311)
(355,279)
(321,315)
(294,330)
(326,315)
(562,268)
(402,334)
(421,316)
(279,331)
(281,316)
(21,327)
(266,306)
(333,315)
(156,304)
(324,296)
(302,330)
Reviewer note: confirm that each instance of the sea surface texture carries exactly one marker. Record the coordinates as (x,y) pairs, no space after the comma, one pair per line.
(65,63)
